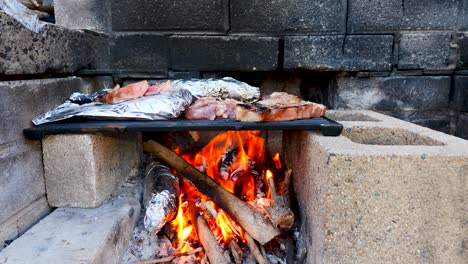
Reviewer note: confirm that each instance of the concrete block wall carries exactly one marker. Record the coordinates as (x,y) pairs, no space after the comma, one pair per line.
(22,188)
(405,44)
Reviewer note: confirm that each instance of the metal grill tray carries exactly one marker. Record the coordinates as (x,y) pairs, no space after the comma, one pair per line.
(325,125)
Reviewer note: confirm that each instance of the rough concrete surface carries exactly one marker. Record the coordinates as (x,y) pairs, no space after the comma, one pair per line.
(21,176)
(23,220)
(339,52)
(168,15)
(288,16)
(22,100)
(83,170)
(54,49)
(140,52)
(83,14)
(392,93)
(224,53)
(77,235)
(429,51)
(386,191)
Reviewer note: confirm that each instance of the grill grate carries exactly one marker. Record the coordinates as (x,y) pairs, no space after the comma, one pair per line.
(325,125)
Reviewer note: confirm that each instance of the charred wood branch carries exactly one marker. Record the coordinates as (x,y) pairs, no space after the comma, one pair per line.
(280,211)
(236,252)
(259,227)
(160,196)
(212,249)
(254,249)
(170,258)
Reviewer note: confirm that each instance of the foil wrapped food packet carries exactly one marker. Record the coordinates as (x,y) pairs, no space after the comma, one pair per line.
(225,88)
(161,106)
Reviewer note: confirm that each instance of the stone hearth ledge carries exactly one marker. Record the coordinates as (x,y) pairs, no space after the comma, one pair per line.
(386,191)
(78,235)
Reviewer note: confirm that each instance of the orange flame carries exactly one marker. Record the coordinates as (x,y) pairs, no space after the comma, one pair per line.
(277,161)
(184,229)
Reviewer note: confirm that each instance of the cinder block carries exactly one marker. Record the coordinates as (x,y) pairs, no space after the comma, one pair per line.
(432,14)
(460,94)
(83,170)
(54,49)
(430,51)
(462,126)
(386,191)
(22,100)
(23,220)
(339,52)
(288,16)
(167,15)
(374,16)
(366,16)
(463,44)
(83,14)
(428,93)
(21,177)
(77,235)
(140,52)
(437,120)
(224,53)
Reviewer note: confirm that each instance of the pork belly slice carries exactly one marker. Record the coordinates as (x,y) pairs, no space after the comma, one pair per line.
(279,106)
(211,108)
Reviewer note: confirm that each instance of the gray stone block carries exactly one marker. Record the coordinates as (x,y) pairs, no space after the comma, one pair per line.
(464,16)
(385,191)
(74,235)
(54,49)
(21,176)
(140,52)
(222,53)
(183,75)
(288,16)
(339,53)
(168,15)
(463,45)
(23,220)
(22,100)
(83,14)
(460,94)
(83,170)
(431,14)
(374,16)
(366,16)
(462,126)
(431,51)
(428,93)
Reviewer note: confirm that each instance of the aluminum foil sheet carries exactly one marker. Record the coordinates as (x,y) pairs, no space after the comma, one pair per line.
(224,88)
(160,106)
(160,196)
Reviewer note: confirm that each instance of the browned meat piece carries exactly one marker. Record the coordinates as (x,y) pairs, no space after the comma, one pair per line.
(130,91)
(210,108)
(279,106)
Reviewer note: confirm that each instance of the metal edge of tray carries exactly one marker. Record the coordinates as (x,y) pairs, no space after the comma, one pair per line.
(325,125)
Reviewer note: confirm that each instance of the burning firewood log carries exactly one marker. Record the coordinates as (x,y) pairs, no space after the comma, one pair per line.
(253,222)
(212,249)
(280,211)
(160,196)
